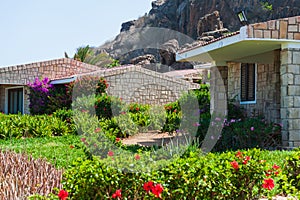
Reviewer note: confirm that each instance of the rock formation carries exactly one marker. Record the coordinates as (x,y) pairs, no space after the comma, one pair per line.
(197,19)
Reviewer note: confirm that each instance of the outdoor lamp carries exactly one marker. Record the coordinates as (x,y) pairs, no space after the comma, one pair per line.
(242,18)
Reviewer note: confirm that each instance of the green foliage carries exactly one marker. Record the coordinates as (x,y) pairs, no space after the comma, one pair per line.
(114,63)
(290,183)
(193,176)
(107,106)
(266,6)
(18,126)
(59,151)
(248,133)
(82,53)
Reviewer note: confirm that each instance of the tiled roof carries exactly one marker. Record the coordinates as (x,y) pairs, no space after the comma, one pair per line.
(201,43)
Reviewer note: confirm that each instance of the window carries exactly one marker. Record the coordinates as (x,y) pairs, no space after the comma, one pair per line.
(14,100)
(248,83)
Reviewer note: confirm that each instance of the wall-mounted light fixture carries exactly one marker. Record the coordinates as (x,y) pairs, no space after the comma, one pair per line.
(242,18)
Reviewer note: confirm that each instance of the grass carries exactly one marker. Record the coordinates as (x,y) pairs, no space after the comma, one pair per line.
(56,150)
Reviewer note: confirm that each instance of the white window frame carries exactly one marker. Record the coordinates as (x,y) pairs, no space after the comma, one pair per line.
(6,98)
(255,86)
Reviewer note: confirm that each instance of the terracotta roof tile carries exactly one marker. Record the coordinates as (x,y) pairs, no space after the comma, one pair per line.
(201,43)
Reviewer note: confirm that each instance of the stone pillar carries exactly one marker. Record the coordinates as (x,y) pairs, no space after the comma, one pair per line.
(218,90)
(290,95)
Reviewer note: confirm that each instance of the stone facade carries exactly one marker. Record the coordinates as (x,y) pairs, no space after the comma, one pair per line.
(267,89)
(21,75)
(136,84)
(290,97)
(131,83)
(53,69)
(218,90)
(286,28)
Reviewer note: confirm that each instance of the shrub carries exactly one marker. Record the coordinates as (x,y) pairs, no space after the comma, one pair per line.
(247,133)
(17,126)
(290,183)
(46,98)
(107,106)
(230,175)
(39,92)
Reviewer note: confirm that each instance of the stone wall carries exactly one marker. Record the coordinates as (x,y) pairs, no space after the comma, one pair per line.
(54,69)
(136,84)
(218,89)
(267,89)
(290,97)
(286,28)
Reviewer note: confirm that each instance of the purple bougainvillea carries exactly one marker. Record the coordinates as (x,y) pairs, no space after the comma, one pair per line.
(40,91)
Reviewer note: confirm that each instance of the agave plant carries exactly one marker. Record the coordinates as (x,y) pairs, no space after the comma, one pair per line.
(22,176)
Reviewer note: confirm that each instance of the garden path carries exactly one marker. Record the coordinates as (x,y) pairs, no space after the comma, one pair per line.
(151,138)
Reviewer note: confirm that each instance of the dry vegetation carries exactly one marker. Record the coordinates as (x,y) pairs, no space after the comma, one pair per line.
(22,176)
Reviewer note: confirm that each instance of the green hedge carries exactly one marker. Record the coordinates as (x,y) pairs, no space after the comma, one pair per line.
(230,175)
(17,126)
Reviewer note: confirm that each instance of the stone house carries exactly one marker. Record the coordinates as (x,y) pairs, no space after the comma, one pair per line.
(259,66)
(131,83)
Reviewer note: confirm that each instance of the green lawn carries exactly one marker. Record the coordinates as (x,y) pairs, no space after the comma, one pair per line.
(57,150)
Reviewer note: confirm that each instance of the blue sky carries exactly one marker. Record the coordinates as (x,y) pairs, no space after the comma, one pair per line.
(37,30)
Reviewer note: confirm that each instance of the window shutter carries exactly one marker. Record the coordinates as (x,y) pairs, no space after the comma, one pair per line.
(247,82)
(244,82)
(251,82)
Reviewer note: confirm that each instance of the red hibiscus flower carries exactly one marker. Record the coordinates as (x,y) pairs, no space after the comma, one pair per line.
(275,167)
(148,186)
(110,153)
(235,165)
(157,190)
(62,195)
(117,194)
(118,139)
(268,184)
(239,154)
(245,161)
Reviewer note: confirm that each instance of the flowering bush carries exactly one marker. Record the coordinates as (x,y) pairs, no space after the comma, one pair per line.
(230,175)
(46,98)
(39,92)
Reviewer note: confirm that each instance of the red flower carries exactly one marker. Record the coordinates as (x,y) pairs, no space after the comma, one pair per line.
(110,153)
(275,167)
(268,184)
(118,139)
(235,164)
(148,186)
(137,109)
(239,154)
(245,161)
(71,147)
(117,194)
(157,190)
(62,195)
(137,157)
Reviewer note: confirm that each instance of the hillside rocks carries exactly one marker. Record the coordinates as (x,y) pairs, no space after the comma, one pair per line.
(193,19)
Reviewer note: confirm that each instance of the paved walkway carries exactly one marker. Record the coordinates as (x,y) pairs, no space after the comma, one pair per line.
(150,138)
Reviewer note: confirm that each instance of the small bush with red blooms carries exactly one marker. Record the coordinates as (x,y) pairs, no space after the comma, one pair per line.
(230,175)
